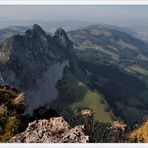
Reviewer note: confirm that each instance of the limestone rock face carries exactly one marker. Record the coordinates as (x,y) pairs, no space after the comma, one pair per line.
(54,130)
(34,62)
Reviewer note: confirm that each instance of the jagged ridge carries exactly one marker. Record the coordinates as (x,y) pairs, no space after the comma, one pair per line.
(34,62)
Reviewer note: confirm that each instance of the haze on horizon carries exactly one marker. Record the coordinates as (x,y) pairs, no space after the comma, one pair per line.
(120,15)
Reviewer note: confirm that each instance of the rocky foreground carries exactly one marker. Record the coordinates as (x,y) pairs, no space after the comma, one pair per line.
(54,130)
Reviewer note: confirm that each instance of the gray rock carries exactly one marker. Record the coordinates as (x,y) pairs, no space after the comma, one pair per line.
(34,63)
(54,130)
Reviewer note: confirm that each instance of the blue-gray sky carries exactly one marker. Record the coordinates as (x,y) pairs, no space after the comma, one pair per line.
(116,15)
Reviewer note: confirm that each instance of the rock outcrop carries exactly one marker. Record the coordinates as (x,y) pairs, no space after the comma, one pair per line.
(54,130)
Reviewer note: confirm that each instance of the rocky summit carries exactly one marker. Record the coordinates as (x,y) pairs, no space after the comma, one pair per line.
(34,63)
(54,130)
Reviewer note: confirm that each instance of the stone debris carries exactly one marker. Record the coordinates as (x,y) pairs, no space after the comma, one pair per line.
(54,130)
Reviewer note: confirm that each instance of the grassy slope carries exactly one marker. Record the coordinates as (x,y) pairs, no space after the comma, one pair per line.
(4,53)
(92,100)
(94,46)
(139,70)
(77,95)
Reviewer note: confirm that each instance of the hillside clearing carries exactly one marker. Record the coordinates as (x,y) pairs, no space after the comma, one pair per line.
(92,100)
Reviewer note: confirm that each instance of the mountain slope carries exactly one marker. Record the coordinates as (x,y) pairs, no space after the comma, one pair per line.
(112,45)
(118,65)
(10,31)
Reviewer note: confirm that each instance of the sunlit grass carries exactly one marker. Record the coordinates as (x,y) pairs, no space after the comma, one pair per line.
(140,134)
(92,100)
(139,70)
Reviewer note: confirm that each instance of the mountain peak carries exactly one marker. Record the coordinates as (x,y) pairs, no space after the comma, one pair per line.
(61,35)
(36,29)
(60,32)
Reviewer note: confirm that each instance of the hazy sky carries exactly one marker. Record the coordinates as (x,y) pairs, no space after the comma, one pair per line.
(117,15)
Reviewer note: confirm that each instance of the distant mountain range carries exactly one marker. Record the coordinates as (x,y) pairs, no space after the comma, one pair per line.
(9,28)
(49,26)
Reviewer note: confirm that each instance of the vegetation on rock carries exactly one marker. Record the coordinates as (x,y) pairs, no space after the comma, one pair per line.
(140,134)
(12,105)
